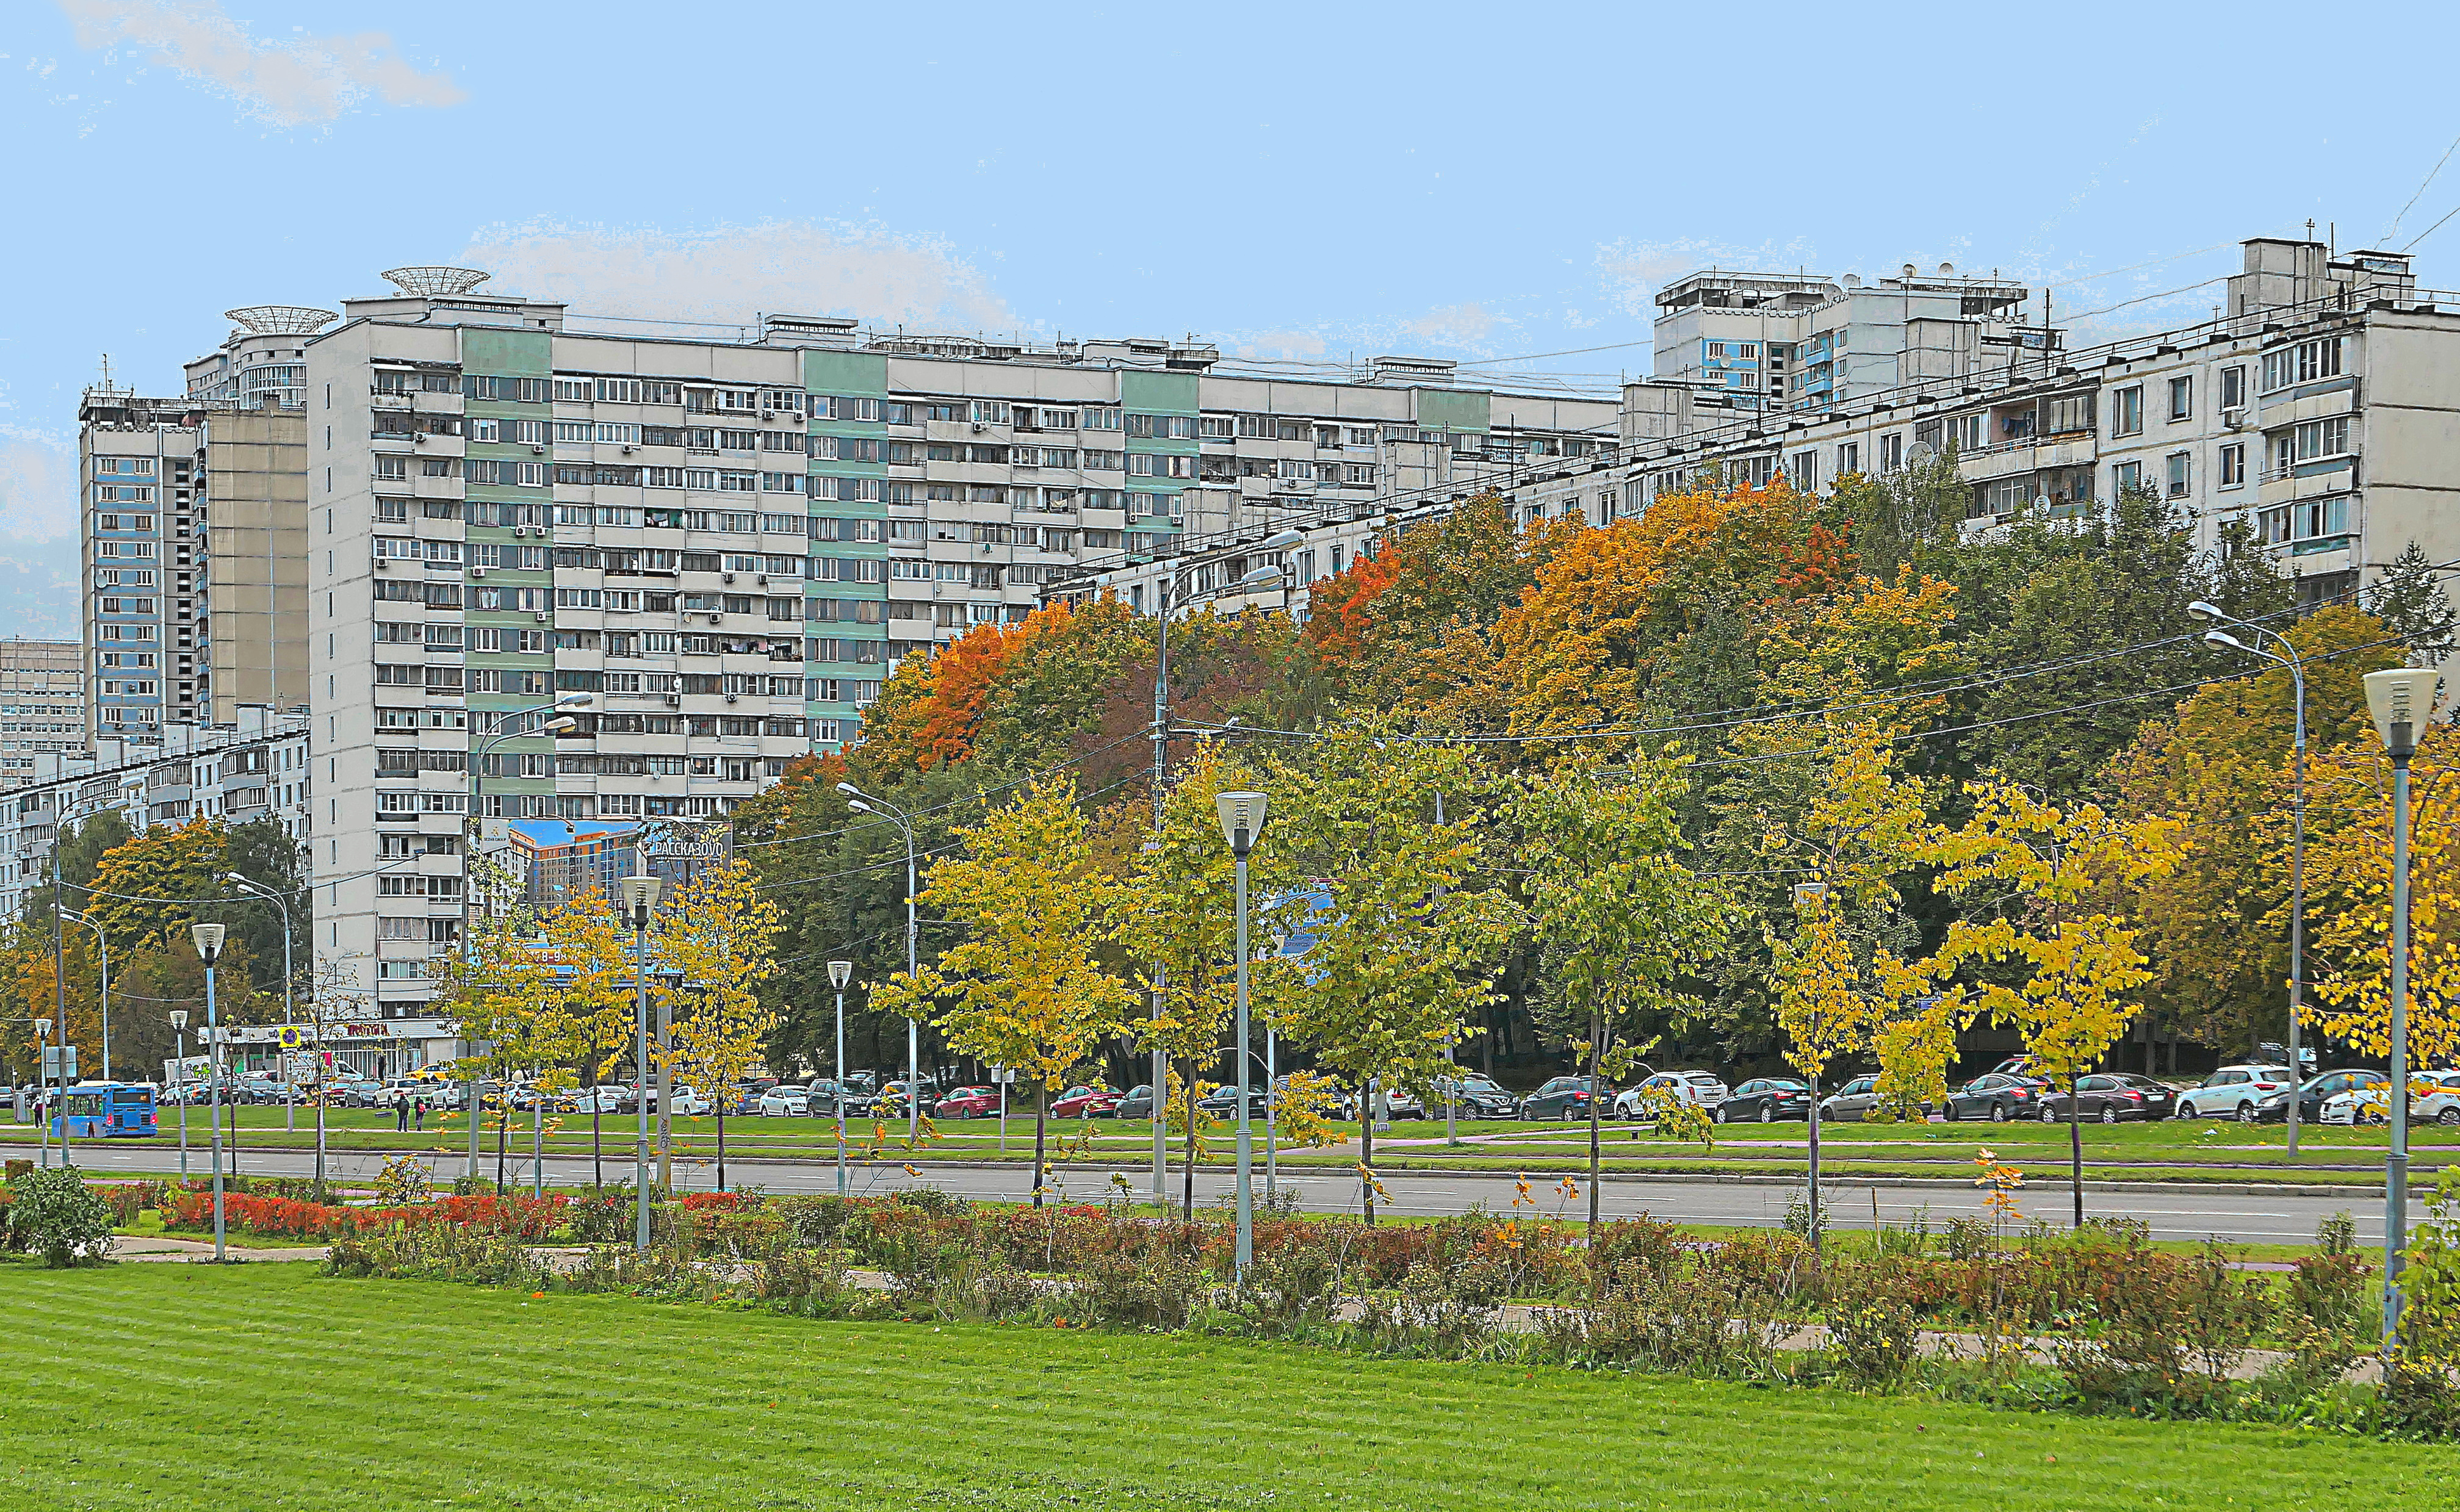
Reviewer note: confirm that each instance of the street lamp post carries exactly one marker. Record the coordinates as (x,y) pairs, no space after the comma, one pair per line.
(179,1080)
(639,896)
(2287,655)
(508,726)
(2400,700)
(1169,592)
(862,802)
(102,943)
(208,940)
(1242,820)
(840,973)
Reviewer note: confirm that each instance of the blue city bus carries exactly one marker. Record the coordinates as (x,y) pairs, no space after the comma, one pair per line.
(106,1110)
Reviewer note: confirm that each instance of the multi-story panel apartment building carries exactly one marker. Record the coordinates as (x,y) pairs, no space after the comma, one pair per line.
(42,704)
(137,463)
(707,554)
(2316,411)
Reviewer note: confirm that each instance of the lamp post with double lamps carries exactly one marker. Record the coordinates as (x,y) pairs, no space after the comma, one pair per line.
(1242,821)
(508,726)
(640,894)
(2403,702)
(208,940)
(862,802)
(102,944)
(2287,655)
(289,1013)
(840,973)
(1169,595)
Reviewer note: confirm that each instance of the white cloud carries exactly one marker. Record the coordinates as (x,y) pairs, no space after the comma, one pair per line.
(732,273)
(38,522)
(1465,326)
(1288,345)
(1633,271)
(295,81)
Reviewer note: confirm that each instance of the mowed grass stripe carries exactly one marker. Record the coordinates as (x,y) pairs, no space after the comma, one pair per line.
(267,1386)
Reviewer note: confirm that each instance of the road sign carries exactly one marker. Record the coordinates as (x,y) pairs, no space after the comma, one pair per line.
(1003,1076)
(289,1037)
(60,1063)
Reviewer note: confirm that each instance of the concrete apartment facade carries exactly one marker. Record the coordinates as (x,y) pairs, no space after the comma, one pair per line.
(42,704)
(2319,409)
(720,548)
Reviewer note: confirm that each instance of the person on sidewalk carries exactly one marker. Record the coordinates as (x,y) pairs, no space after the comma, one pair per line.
(401,1115)
(418,1115)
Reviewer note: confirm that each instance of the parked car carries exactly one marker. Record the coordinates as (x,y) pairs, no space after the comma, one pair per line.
(970,1103)
(825,1099)
(690,1103)
(2232,1087)
(598,1099)
(783,1101)
(1998,1097)
(1473,1096)
(1765,1099)
(1085,1102)
(2441,1104)
(1566,1097)
(1136,1103)
(2317,1090)
(1222,1102)
(1851,1104)
(1399,1102)
(1699,1088)
(2108,1097)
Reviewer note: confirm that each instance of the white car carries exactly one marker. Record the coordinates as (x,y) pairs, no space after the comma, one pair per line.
(2434,1096)
(2233,1091)
(689,1103)
(1699,1088)
(598,1099)
(785,1102)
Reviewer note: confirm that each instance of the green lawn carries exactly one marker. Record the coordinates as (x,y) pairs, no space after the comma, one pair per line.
(264,1386)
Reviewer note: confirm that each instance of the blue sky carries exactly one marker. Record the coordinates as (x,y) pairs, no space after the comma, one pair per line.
(1289,180)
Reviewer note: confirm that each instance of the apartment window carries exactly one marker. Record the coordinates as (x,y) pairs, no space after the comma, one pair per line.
(2307,361)
(2182,398)
(1892,451)
(2233,465)
(2175,467)
(2126,477)
(2317,519)
(2234,388)
(2126,411)
(1849,458)
(1804,474)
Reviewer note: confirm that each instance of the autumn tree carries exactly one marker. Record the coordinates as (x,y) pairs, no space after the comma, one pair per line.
(719,942)
(1402,951)
(2349,879)
(1178,925)
(1025,986)
(2027,871)
(1622,918)
(585,940)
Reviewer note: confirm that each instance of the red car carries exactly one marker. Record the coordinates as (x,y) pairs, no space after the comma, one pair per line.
(969,1102)
(1085,1102)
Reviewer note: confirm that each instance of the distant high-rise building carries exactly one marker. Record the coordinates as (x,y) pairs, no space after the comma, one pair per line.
(42,704)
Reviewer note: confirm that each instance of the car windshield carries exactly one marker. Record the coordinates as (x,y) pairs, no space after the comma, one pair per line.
(1788,1084)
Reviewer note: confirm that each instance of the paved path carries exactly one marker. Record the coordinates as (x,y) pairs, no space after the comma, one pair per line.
(2173,1211)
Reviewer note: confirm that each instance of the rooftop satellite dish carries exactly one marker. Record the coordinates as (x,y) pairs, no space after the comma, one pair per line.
(1947,270)
(279,320)
(1921,453)
(432,280)
(1852,281)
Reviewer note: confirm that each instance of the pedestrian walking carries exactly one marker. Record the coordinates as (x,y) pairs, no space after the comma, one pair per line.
(418,1114)
(401,1115)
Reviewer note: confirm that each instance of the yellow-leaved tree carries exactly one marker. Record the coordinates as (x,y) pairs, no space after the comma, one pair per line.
(1837,984)
(720,937)
(586,943)
(1177,916)
(1026,987)
(2349,881)
(1619,918)
(2028,872)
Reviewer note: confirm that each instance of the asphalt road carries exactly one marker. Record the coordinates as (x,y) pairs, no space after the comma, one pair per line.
(2172,1212)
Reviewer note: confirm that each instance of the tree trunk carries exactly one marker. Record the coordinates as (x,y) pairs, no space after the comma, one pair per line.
(1367,1145)
(721,1145)
(2075,1147)
(1041,1129)
(503,1138)
(1815,1160)
(1187,1190)
(1596,1085)
(597,1159)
